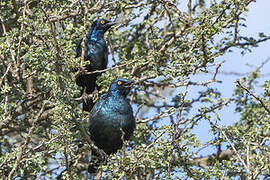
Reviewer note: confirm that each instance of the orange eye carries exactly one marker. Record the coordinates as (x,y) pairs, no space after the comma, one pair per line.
(102,22)
(119,83)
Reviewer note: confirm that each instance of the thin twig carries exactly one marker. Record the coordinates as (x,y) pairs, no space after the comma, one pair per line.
(109,69)
(165,113)
(84,32)
(253,95)
(21,36)
(3,77)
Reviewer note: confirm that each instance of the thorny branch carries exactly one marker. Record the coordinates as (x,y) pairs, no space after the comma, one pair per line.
(21,36)
(3,77)
(84,33)
(255,96)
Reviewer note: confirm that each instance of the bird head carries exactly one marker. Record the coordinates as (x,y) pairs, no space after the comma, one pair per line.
(121,86)
(102,24)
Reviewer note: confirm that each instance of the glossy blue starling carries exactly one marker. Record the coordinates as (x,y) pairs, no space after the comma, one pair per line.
(96,51)
(111,116)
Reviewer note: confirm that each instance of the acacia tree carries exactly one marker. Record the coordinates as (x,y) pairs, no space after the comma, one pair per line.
(159,44)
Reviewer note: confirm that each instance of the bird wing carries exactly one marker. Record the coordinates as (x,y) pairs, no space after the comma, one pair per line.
(97,107)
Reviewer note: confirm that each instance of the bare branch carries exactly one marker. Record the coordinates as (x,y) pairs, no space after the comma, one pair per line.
(21,35)
(3,77)
(253,95)
(207,161)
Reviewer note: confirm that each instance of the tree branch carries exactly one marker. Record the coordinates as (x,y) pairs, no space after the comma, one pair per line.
(207,161)
(253,95)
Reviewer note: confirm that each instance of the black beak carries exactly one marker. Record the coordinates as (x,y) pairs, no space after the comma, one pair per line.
(128,83)
(109,24)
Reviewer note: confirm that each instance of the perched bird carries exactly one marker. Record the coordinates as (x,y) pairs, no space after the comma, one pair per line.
(111,116)
(96,51)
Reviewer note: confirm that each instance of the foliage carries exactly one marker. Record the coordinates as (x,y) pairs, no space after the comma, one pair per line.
(161,45)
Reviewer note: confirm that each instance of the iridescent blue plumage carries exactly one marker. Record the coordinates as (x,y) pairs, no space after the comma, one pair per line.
(109,115)
(96,51)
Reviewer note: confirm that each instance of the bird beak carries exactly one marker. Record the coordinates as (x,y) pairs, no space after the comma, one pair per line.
(109,24)
(129,83)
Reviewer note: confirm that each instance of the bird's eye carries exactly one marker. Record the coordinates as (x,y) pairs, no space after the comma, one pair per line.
(119,83)
(102,22)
